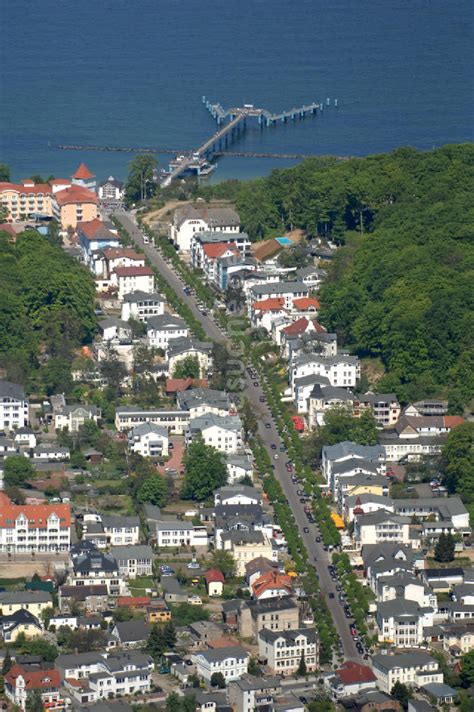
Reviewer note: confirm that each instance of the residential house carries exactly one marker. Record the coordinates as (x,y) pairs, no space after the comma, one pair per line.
(131,634)
(24,436)
(350,485)
(351,678)
(323,398)
(245,546)
(13,406)
(21,623)
(232,662)
(458,638)
(142,305)
(176,421)
(277,614)
(272,584)
(34,527)
(121,530)
(249,692)
(92,598)
(381,526)
(332,454)
(214,582)
(224,433)
(191,219)
(134,560)
(182,348)
(237,494)
(311,276)
(199,401)
(264,312)
(200,240)
(342,370)
(112,328)
(94,237)
(21,681)
(176,533)
(134,279)
(288,291)
(365,504)
(49,452)
(384,406)
(173,592)
(414,669)
(285,650)
(73,417)
(259,566)
(163,329)
(211,252)
(149,440)
(111,190)
(74,205)
(106,261)
(449,510)
(238,467)
(93,568)
(401,622)
(32,601)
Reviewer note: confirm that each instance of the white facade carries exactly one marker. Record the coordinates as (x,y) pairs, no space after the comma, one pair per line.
(142,306)
(341,371)
(411,669)
(73,417)
(149,440)
(231,662)
(34,528)
(223,433)
(176,421)
(163,329)
(134,279)
(13,406)
(177,533)
(381,527)
(285,650)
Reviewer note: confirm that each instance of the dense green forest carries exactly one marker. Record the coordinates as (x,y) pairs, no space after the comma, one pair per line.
(46,310)
(401,289)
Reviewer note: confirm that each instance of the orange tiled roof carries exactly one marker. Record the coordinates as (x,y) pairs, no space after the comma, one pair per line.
(39,188)
(34,679)
(37,514)
(270,304)
(136,271)
(75,194)
(297,327)
(304,303)
(83,173)
(452,421)
(124,601)
(269,580)
(214,576)
(217,249)
(175,385)
(91,227)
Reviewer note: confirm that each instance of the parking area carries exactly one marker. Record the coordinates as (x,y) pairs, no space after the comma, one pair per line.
(176,455)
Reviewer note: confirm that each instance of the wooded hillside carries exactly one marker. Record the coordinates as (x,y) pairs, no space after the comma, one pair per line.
(402,287)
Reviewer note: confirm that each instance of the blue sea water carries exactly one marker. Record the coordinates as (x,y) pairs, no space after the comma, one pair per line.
(132,72)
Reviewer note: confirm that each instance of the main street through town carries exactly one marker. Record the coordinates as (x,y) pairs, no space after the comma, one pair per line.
(269,435)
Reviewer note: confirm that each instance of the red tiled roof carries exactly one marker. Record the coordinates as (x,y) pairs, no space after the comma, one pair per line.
(7,227)
(75,194)
(34,679)
(320,329)
(136,271)
(83,173)
(217,249)
(39,188)
(297,327)
(91,227)
(304,303)
(37,514)
(125,601)
(269,580)
(270,304)
(452,421)
(177,385)
(219,643)
(351,673)
(214,576)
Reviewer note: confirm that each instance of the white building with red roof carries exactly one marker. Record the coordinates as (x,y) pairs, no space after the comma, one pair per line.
(264,312)
(350,679)
(211,253)
(34,527)
(214,582)
(95,237)
(135,278)
(84,178)
(21,682)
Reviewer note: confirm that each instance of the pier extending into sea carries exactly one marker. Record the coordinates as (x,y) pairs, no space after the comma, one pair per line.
(231,124)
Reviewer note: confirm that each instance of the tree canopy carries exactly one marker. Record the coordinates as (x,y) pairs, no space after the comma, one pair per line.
(140,182)
(205,471)
(458,461)
(46,303)
(187,367)
(154,490)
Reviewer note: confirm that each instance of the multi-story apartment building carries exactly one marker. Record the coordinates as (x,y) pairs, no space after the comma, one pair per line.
(384,406)
(411,669)
(34,527)
(380,527)
(342,371)
(13,406)
(141,306)
(175,533)
(276,614)
(232,662)
(74,205)
(133,279)
(284,651)
(193,220)
(20,201)
(175,421)
(225,433)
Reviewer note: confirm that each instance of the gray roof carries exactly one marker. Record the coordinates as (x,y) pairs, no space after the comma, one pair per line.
(140,296)
(119,520)
(243,537)
(243,461)
(169,525)
(382,515)
(375,398)
(71,660)
(209,420)
(399,608)
(267,605)
(361,478)
(220,654)
(313,378)
(232,490)
(182,345)
(146,428)
(372,553)
(202,396)
(215,217)
(439,689)
(331,392)
(11,597)
(132,631)
(404,660)
(137,551)
(325,360)
(309,270)
(89,409)
(347,448)
(355,463)
(113,321)
(290,636)
(164,322)
(250,682)
(367,498)
(11,390)
(446,506)
(214,236)
(279,288)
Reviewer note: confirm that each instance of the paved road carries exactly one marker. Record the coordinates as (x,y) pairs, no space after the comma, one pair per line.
(269,436)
